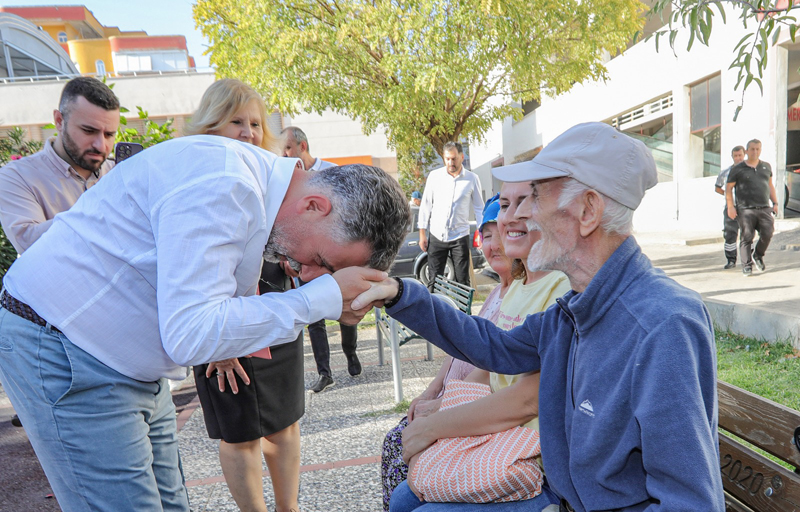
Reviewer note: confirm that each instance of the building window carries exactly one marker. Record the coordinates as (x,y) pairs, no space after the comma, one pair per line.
(529,106)
(62,37)
(706,104)
(706,119)
(100,67)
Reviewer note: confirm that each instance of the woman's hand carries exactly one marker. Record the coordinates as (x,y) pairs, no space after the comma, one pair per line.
(420,408)
(226,368)
(416,437)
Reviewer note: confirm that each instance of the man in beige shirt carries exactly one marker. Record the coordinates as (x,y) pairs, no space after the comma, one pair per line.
(36,188)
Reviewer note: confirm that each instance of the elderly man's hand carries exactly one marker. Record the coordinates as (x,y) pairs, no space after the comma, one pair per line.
(377,294)
(353,282)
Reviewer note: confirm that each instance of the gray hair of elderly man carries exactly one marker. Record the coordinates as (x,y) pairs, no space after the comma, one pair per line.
(370,206)
(617,218)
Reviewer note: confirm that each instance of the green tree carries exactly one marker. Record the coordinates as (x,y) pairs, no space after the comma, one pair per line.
(426,71)
(413,168)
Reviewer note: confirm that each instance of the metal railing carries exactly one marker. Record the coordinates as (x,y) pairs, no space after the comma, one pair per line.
(121,74)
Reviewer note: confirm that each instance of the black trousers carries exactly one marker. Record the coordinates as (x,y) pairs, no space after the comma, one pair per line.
(750,221)
(730,230)
(457,249)
(322,351)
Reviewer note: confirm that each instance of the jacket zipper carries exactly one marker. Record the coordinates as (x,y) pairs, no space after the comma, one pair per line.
(577,338)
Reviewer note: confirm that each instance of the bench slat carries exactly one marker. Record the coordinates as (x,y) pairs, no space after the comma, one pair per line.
(760,421)
(749,477)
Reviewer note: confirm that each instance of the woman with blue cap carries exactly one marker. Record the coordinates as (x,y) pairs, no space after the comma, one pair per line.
(393,469)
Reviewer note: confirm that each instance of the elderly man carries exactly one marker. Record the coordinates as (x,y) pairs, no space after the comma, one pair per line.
(627,406)
(157,268)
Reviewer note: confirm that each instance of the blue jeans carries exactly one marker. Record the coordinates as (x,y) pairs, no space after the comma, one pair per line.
(403,500)
(105,441)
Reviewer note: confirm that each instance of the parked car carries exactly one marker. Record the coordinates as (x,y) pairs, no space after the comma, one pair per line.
(792,199)
(411,261)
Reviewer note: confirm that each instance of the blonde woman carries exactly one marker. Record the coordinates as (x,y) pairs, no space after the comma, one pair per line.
(253,405)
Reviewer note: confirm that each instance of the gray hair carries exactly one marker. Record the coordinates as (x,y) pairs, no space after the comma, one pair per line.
(617,218)
(370,206)
(298,134)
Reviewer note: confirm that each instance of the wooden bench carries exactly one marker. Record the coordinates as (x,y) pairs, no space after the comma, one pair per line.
(397,334)
(752,481)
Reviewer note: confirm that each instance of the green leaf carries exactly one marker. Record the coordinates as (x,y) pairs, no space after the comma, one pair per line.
(49,126)
(123,110)
(760,85)
(792,31)
(775,36)
(736,114)
(123,121)
(743,40)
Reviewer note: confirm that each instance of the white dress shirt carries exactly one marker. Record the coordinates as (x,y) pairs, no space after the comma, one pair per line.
(445,204)
(156,266)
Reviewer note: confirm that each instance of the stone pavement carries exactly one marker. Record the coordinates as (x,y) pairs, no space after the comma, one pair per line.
(343,427)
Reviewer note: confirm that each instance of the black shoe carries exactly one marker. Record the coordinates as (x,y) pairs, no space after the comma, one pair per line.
(353,365)
(759,263)
(324,381)
(15,421)
(747,270)
(729,265)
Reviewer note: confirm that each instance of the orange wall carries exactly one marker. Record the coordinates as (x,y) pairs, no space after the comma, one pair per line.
(363,159)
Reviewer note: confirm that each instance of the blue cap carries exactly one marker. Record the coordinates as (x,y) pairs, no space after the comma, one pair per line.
(416,195)
(490,211)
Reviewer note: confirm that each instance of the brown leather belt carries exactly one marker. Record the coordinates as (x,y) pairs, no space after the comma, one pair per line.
(22,310)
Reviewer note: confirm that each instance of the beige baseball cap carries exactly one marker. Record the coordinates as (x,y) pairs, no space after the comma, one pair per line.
(597,155)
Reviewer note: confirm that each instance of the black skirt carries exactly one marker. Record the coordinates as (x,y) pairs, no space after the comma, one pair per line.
(275,398)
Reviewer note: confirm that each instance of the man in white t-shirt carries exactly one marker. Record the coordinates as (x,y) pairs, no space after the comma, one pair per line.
(295,145)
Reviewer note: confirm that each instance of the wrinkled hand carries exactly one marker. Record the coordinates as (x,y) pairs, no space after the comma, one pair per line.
(354,281)
(423,408)
(225,369)
(416,437)
(423,242)
(732,212)
(377,294)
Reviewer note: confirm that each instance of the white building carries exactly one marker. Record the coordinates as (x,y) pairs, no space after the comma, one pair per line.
(681,104)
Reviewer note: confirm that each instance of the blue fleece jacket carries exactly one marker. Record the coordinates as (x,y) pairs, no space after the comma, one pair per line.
(628,396)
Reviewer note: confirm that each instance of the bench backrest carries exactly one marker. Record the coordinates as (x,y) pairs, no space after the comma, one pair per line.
(751,480)
(462,295)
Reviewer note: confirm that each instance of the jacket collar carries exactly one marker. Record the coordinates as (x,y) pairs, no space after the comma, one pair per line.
(624,266)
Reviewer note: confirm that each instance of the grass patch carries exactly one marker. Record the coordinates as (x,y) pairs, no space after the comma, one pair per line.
(759,367)
(400,408)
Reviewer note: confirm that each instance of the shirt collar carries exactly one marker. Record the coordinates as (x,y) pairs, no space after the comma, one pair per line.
(460,173)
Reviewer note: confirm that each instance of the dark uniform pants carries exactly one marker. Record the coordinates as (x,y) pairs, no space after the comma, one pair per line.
(750,221)
(730,231)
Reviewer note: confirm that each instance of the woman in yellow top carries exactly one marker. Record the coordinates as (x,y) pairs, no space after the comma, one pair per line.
(515,398)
